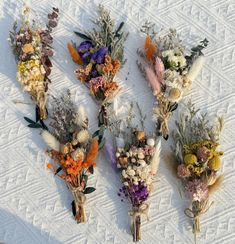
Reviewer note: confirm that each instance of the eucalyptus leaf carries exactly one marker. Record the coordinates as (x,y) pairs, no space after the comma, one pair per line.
(91,169)
(35,125)
(83,36)
(119,29)
(29,120)
(89,190)
(73,208)
(102,143)
(58,170)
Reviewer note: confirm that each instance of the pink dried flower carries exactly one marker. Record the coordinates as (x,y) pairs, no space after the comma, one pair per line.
(197,190)
(202,154)
(95,83)
(149,150)
(159,69)
(153,80)
(183,171)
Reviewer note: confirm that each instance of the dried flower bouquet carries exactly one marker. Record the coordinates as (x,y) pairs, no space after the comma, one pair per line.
(196,142)
(72,149)
(99,58)
(169,71)
(137,157)
(31,46)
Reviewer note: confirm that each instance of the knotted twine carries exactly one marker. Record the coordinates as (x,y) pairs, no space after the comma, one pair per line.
(136,213)
(79,200)
(195,215)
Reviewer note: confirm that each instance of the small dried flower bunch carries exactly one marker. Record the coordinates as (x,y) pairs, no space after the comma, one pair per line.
(31,46)
(137,156)
(72,148)
(169,71)
(99,58)
(196,144)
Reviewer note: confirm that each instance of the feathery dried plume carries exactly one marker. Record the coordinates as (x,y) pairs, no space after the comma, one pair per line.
(50,140)
(159,69)
(156,157)
(196,68)
(219,181)
(153,80)
(81,118)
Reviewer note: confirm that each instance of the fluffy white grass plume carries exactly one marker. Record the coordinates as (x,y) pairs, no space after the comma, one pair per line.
(196,68)
(156,157)
(50,140)
(81,118)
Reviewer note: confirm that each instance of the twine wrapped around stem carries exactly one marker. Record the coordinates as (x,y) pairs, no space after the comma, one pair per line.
(79,200)
(163,121)
(197,210)
(136,213)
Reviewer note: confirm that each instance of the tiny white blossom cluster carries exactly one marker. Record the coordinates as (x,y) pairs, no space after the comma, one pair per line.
(136,160)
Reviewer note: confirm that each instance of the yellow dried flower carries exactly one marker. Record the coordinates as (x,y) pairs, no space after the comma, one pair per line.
(214,163)
(198,170)
(190,159)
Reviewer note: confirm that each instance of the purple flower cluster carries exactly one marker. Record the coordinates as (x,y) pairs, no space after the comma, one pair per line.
(88,54)
(138,193)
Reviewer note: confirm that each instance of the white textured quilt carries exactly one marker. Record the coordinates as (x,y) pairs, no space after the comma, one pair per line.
(35,206)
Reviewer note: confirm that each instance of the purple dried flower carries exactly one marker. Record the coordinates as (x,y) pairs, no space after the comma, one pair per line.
(84,47)
(98,56)
(94,73)
(138,193)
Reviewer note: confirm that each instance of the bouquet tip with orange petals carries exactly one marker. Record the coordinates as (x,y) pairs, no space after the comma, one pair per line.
(73,150)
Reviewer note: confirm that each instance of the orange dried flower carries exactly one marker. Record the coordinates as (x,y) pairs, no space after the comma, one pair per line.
(147,42)
(92,153)
(28,48)
(110,88)
(50,166)
(83,74)
(109,67)
(74,54)
(150,49)
(105,70)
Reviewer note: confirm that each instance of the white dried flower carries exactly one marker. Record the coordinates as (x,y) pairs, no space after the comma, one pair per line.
(83,136)
(133,160)
(118,154)
(141,155)
(125,183)
(131,172)
(124,173)
(142,163)
(78,154)
(50,140)
(150,142)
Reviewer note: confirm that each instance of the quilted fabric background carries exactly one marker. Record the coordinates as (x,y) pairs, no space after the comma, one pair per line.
(35,206)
